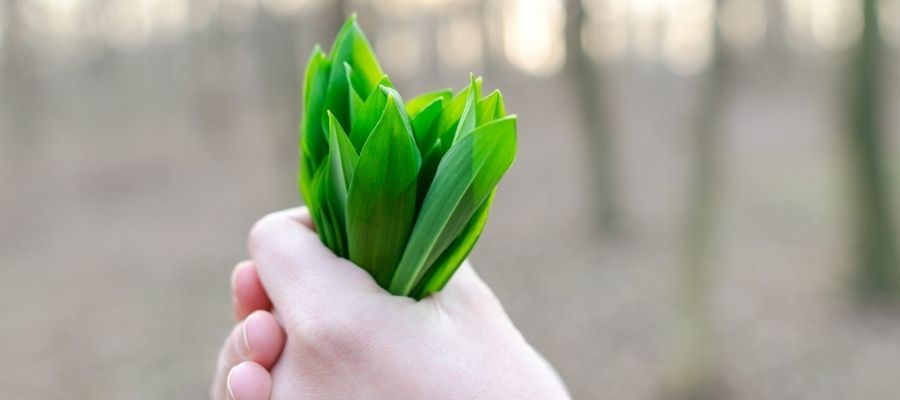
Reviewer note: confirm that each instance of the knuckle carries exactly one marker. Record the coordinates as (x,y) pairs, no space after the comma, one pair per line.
(334,333)
(262,228)
(482,294)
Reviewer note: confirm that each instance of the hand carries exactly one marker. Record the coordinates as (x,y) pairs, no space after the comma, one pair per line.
(349,339)
(254,344)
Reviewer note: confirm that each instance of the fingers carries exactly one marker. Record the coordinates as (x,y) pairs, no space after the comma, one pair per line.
(298,272)
(259,339)
(247,291)
(249,381)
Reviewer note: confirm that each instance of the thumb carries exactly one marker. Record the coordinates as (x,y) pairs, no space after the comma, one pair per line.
(299,273)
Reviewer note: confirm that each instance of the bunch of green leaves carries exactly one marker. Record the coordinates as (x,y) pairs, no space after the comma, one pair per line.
(402,189)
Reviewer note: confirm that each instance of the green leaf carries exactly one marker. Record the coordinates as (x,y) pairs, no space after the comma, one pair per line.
(318,208)
(430,162)
(466,123)
(465,177)
(343,155)
(490,108)
(402,190)
(381,204)
(425,120)
(356,87)
(443,268)
(342,161)
(337,238)
(419,103)
(452,112)
(350,46)
(312,141)
(369,114)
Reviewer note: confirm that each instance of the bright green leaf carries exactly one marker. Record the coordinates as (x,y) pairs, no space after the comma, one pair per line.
(350,46)
(490,108)
(402,190)
(466,123)
(443,268)
(464,179)
(381,204)
(319,207)
(369,114)
(356,87)
(419,103)
(312,143)
(342,161)
(425,120)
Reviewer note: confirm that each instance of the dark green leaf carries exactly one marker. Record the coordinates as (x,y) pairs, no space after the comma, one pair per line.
(430,162)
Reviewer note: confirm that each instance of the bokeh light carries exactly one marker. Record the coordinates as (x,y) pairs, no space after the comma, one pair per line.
(688,43)
(533,35)
(743,22)
(459,42)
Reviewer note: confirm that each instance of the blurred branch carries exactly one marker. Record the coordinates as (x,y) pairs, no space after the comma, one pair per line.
(586,80)
(879,278)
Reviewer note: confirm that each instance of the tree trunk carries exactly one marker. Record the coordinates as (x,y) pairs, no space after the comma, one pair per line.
(879,266)
(776,37)
(586,80)
(18,87)
(696,376)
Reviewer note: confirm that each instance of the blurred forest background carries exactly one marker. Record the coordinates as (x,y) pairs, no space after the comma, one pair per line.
(704,204)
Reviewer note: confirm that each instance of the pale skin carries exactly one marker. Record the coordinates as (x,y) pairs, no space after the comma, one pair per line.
(315,326)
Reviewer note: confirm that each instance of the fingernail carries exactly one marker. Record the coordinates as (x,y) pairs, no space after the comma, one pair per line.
(229,390)
(234,272)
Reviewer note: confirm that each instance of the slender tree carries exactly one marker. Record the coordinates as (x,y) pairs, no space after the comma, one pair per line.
(776,42)
(696,372)
(275,49)
(18,85)
(879,265)
(9,21)
(487,47)
(586,79)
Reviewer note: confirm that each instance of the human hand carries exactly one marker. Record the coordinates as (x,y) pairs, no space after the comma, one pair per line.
(348,338)
(254,344)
